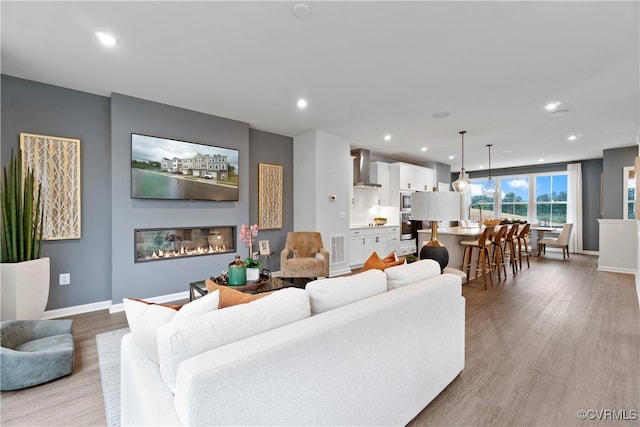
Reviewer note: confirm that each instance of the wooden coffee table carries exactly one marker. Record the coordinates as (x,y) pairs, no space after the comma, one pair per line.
(270,284)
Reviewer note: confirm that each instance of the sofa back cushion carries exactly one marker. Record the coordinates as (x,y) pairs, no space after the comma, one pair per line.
(327,294)
(144,318)
(406,274)
(184,338)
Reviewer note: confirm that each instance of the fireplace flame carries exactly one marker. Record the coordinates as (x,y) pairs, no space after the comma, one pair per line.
(186,251)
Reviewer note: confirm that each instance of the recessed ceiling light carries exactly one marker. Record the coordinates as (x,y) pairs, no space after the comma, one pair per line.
(441,115)
(423,149)
(106,39)
(559,113)
(452,157)
(480,167)
(387,137)
(572,137)
(541,160)
(301,10)
(302,103)
(552,105)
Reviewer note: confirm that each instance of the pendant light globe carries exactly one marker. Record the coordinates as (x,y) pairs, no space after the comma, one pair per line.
(462,184)
(489,187)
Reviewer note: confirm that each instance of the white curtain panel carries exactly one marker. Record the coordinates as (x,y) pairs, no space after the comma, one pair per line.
(574,206)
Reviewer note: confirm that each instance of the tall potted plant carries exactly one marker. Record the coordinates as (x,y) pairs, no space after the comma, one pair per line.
(25,275)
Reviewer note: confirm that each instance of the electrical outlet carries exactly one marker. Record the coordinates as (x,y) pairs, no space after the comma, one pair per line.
(65,279)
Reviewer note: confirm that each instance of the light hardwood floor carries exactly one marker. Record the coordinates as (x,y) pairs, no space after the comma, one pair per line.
(554,339)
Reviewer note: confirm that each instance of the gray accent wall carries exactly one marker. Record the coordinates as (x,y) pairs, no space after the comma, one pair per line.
(614,160)
(273,149)
(101,261)
(591,177)
(148,279)
(38,108)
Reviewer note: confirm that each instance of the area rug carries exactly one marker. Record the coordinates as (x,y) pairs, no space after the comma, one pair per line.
(108,344)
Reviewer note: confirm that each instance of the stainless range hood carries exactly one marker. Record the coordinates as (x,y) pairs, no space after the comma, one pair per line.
(361,171)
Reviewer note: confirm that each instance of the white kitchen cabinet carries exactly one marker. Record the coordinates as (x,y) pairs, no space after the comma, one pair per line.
(424,178)
(408,177)
(380,175)
(365,241)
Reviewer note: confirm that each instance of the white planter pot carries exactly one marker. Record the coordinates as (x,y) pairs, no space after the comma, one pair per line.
(24,289)
(253,274)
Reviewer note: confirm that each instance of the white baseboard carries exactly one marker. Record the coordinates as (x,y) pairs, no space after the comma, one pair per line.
(617,269)
(596,253)
(78,309)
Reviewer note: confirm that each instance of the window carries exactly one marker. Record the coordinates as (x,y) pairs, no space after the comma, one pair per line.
(551,200)
(537,198)
(514,197)
(629,193)
(484,202)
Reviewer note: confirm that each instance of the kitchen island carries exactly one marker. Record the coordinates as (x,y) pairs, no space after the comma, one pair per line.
(450,237)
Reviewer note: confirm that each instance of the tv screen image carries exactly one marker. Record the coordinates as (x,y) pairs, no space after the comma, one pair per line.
(164,168)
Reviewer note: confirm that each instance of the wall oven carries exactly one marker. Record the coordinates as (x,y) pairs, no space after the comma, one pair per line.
(405,201)
(407,228)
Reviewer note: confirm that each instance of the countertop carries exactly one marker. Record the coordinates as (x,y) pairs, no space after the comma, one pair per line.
(367,226)
(456,231)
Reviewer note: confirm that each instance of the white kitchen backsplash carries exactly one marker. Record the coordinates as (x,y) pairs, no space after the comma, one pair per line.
(365,207)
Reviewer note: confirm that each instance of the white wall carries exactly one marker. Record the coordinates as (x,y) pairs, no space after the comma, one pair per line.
(321,170)
(618,251)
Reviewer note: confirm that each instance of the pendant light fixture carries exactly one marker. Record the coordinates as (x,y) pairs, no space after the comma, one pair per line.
(462,184)
(489,188)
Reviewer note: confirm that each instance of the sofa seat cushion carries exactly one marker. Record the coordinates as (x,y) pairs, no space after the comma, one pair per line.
(145,318)
(327,294)
(403,275)
(182,339)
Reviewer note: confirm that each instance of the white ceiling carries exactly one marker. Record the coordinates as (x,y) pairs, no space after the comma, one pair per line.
(366,69)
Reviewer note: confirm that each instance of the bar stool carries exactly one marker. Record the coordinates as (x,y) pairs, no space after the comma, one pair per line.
(498,258)
(522,242)
(509,245)
(483,256)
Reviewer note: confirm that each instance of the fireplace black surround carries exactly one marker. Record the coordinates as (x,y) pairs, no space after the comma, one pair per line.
(155,244)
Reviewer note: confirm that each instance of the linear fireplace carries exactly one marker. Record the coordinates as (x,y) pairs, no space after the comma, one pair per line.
(153,244)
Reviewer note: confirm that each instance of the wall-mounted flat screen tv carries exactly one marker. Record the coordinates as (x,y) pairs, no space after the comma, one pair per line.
(164,168)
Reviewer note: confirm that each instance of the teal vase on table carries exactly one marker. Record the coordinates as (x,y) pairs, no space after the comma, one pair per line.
(237,272)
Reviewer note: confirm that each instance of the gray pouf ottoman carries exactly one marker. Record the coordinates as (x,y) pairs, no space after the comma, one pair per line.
(33,352)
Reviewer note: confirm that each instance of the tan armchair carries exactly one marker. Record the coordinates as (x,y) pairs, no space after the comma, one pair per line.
(304,256)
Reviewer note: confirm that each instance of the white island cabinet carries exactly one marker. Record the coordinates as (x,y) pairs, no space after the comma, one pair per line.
(363,241)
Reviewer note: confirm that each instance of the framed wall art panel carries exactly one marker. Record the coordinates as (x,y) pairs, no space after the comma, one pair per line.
(269,196)
(55,162)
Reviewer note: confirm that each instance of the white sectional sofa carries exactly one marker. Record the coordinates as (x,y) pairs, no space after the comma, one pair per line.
(369,349)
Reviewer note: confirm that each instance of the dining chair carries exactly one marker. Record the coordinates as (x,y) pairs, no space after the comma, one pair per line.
(483,261)
(561,241)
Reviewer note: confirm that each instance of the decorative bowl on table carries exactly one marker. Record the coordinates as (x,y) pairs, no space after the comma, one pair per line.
(379,221)
(490,222)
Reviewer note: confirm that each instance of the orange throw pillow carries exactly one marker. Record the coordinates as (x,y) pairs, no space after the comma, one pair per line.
(176,307)
(229,297)
(374,261)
